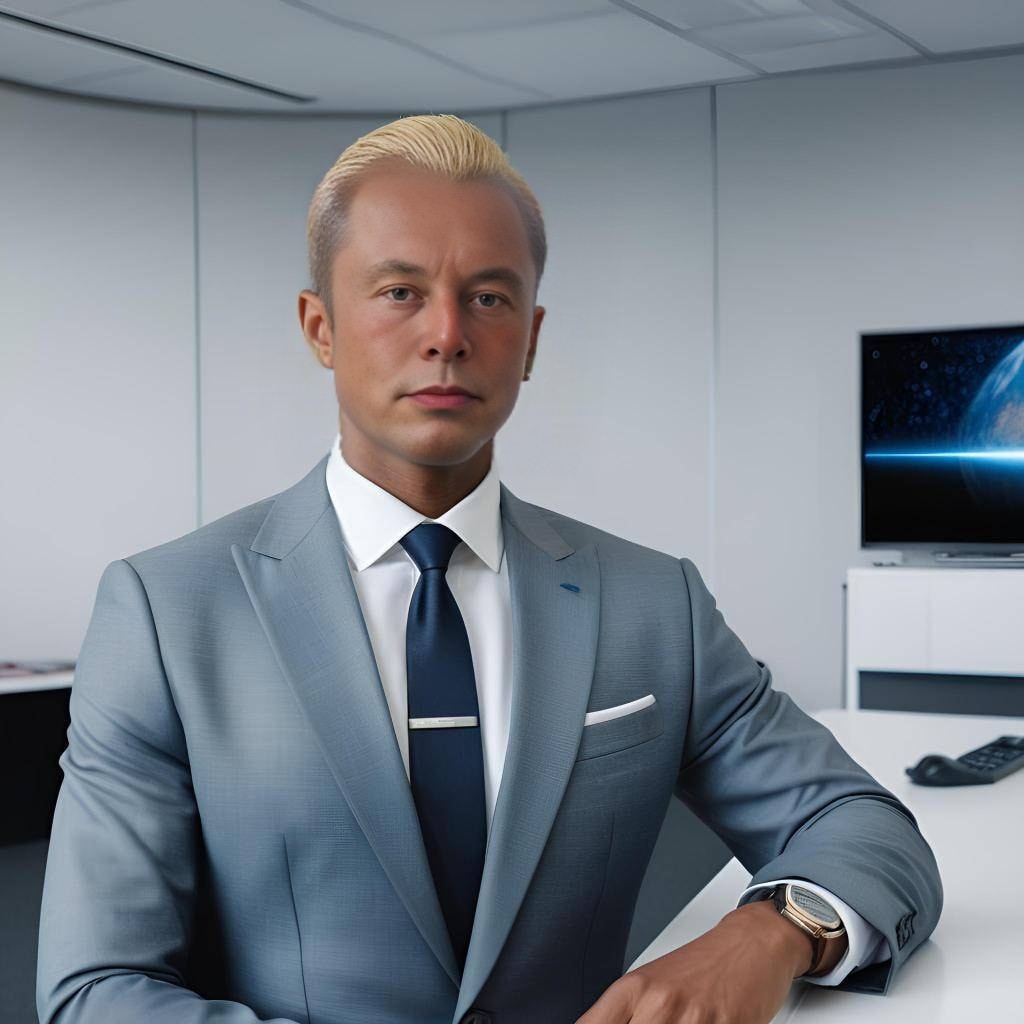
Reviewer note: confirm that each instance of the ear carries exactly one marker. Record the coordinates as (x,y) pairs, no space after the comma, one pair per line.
(538,317)
(316,327)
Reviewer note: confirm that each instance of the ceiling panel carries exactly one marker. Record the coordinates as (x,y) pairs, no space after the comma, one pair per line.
(51,8)
(350,56)
(781,35)
(414,19)
(148,83)
(291,49)
(832,53)
(691,14)
(40,58)
(749,37)
(605,53)
(944,27)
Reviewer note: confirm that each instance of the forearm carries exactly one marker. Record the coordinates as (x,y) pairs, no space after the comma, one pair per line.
(741,969)
(787,945)
(868,852)
(862,944)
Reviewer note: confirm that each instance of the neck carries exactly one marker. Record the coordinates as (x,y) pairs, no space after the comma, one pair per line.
(429,489)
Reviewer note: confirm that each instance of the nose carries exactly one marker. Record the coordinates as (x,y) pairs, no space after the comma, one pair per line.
(444,326)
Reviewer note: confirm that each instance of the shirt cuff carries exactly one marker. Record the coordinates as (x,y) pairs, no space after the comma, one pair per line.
(866,945)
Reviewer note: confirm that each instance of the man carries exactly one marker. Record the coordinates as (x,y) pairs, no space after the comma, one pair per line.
(395,745)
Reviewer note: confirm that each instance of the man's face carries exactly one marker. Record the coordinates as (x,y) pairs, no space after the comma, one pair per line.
(433,285)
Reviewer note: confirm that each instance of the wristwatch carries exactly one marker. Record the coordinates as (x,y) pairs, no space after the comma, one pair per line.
(817,918)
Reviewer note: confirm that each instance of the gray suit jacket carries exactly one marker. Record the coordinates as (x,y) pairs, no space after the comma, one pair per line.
(235,838)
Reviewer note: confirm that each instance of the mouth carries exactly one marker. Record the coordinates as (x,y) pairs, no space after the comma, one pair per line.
(443,398)
(432,400)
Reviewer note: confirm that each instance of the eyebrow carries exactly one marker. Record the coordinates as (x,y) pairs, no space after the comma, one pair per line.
(386,267)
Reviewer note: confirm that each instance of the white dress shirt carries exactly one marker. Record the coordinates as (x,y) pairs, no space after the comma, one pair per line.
(372,523)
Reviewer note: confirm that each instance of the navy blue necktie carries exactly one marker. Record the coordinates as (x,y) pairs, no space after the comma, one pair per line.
(446,770)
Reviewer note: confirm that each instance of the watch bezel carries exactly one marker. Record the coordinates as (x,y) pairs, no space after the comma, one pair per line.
(827,926)
(820,934)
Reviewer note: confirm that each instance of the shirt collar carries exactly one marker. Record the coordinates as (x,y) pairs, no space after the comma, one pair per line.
(373,520)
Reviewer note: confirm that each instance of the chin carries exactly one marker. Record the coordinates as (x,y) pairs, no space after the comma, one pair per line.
(437,448)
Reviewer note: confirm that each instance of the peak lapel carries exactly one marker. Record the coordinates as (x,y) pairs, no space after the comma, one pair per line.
(299,582)
(554,636)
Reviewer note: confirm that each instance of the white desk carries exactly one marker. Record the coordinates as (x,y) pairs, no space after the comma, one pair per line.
(33,683)
(974,961)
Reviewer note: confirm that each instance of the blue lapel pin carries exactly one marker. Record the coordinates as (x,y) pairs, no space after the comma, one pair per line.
(571,586)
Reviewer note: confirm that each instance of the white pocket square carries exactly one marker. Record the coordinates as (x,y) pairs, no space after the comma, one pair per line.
(606,714)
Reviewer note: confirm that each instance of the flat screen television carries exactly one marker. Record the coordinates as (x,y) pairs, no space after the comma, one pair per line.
(942,438)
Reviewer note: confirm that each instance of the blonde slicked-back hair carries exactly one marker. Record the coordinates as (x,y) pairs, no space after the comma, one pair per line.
(441,143)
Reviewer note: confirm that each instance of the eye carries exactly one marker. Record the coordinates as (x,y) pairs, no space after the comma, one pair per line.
(399,293)
(490,295)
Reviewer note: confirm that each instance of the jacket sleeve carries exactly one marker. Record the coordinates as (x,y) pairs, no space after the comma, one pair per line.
(118,896)
(789,801)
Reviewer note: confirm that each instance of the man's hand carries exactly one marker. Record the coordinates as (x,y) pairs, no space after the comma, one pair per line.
(737,973)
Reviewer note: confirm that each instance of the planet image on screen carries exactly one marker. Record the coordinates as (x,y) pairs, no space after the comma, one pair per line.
(992,436)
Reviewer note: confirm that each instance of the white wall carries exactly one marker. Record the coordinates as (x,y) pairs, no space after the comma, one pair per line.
(97,353)
(268,410)
(847,202)
(612,426)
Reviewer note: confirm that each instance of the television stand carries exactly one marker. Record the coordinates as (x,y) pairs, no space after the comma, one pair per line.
(938,620)
(985,558)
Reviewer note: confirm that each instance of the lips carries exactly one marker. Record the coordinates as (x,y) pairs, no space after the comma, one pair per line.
(437,390)
(437,397)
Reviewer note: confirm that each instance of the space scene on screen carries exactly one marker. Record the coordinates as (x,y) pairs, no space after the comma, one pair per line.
(942,436)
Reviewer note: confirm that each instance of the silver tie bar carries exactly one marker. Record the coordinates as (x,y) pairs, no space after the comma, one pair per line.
(442,723)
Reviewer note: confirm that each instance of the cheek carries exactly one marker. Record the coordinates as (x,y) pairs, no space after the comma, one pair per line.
(369,351)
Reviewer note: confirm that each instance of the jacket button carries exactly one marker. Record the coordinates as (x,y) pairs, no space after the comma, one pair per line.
(477,1017)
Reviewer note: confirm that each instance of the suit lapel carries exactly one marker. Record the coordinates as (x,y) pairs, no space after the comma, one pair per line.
(297,577)
(554,635)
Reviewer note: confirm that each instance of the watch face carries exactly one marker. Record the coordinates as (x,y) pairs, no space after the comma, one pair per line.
(815,907)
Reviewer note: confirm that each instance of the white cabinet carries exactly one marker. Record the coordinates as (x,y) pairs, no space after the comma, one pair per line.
(961,621)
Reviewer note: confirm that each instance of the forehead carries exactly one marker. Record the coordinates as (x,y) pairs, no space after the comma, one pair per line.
(398,211)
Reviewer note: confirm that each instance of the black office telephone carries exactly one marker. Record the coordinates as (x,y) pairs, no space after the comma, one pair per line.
(990,763)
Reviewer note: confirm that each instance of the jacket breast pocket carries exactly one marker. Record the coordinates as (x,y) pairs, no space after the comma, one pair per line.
(623,731)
